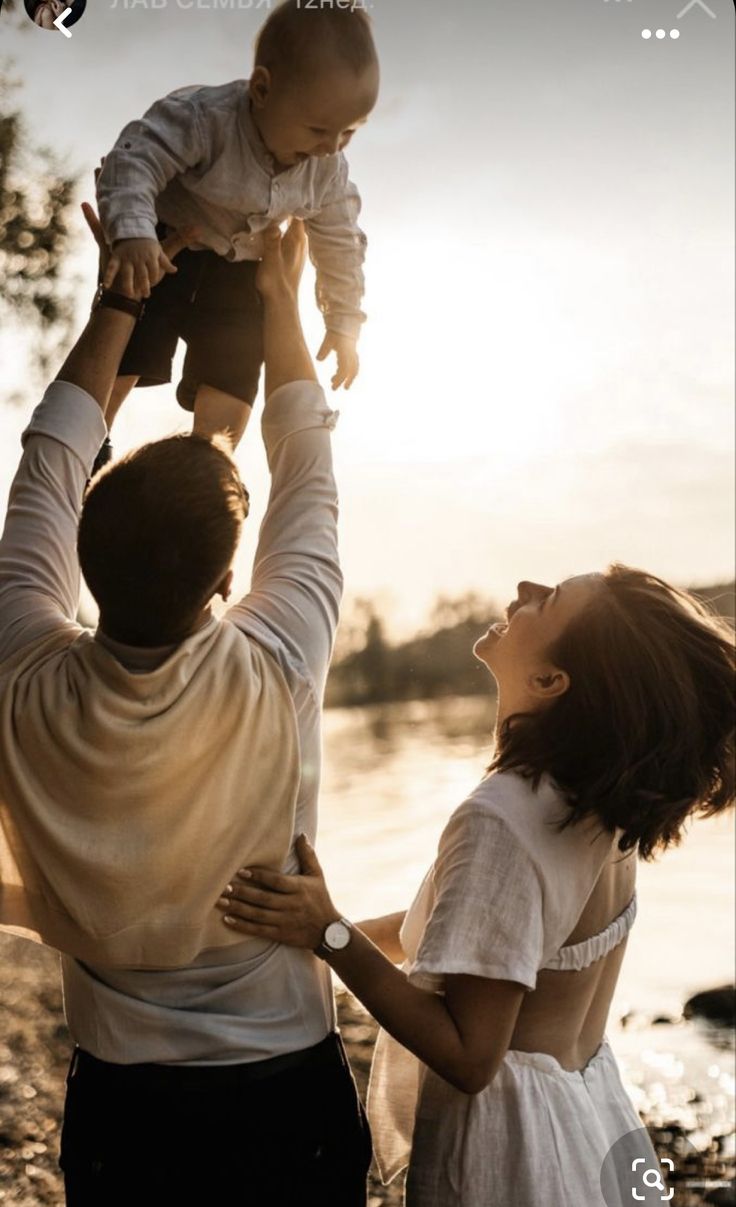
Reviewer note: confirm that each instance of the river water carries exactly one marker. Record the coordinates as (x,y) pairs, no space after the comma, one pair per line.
(393,774)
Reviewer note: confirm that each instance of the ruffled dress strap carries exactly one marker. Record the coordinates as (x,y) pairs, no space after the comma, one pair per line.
(577,956)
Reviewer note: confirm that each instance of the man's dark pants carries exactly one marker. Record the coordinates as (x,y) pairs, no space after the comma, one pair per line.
(241,1135)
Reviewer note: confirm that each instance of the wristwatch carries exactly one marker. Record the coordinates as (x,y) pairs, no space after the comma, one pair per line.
(110,300)
(336,937)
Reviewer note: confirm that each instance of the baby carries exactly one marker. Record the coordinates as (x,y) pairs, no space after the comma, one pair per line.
(227,162)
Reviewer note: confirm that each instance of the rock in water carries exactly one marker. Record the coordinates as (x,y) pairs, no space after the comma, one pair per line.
(722,1197)
(717,1005)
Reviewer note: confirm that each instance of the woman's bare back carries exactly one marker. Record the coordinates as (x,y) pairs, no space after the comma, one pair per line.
(566,1014)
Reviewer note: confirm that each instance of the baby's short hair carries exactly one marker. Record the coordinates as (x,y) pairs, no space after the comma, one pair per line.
(301,34)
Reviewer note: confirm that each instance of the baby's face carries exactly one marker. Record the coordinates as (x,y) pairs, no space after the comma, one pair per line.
(297,119)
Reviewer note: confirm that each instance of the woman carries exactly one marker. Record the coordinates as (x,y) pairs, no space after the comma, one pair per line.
(615,725)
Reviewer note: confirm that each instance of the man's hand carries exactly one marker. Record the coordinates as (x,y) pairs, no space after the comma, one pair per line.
(171,247)
(348,364)
(281,268)
(138,265)
(94,360)
(285,909)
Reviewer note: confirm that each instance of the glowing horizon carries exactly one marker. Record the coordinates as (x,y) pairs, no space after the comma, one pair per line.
(547,376)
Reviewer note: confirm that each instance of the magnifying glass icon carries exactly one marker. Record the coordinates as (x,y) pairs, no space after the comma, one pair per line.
(657,1183)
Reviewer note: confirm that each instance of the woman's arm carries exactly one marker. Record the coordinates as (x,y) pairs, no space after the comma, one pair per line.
(462,1036)
(384,933)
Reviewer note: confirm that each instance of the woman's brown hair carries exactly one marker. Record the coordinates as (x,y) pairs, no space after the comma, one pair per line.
(644,736)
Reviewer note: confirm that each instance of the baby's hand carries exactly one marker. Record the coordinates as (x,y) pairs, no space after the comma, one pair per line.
(348,364)
(139,263)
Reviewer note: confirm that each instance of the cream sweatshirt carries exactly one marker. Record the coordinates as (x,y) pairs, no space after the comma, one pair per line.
(128,799)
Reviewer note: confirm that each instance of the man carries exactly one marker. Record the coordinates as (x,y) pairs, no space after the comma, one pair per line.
(141,765)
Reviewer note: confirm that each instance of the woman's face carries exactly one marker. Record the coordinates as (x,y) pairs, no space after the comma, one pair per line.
(516,651)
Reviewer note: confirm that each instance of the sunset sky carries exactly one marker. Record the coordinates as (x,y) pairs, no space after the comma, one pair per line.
(547,367)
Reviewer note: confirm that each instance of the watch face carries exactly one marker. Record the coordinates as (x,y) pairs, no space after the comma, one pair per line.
(337,936)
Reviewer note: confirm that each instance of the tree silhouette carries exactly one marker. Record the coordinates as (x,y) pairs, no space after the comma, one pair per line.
(35,208)
(439,662)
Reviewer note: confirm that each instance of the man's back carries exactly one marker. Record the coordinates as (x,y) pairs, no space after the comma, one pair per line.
(129,827)
(210,752)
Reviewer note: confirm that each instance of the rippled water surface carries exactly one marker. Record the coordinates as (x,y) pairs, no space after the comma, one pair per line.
(392,777)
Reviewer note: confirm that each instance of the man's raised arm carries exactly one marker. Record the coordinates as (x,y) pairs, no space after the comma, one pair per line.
(93,363)
(285,351)
(297,584)
(39,569)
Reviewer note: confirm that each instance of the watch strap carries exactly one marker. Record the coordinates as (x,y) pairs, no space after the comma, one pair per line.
(108,299)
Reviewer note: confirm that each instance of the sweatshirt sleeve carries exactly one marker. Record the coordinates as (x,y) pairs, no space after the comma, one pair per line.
(293,605)
(39,568)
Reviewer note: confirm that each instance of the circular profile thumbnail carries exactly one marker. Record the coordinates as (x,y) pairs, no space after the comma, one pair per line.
(43,13)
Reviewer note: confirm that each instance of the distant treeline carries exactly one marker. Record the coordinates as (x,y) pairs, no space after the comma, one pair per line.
(368,669)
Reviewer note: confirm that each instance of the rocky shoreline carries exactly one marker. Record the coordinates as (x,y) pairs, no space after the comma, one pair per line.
(34,1054)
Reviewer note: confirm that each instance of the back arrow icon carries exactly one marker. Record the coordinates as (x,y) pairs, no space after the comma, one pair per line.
(59,22)
(686,9)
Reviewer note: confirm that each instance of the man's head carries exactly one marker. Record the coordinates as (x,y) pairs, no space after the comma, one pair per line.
(157,536)
(315,79)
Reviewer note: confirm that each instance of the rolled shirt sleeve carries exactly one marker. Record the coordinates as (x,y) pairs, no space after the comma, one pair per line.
(487,919)
(337,247)
(167,141)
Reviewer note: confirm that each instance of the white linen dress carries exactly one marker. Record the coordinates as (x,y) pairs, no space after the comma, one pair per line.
(506,890)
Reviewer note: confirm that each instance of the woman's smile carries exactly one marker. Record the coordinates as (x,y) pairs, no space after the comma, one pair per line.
(499,627)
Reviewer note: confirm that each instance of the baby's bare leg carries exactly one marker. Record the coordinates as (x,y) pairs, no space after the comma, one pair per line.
(217,412)
(120,391)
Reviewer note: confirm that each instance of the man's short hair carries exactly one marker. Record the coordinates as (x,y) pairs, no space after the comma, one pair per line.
(157,535)
(296,38)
